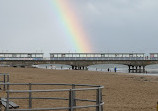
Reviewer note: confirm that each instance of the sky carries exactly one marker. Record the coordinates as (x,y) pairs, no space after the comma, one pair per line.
(109,26)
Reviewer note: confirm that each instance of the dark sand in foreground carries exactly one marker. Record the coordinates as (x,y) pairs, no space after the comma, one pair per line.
(122,92)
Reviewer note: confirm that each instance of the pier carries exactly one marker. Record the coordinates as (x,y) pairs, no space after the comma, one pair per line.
(80,61)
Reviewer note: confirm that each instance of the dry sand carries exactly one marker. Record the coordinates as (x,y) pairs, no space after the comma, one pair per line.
(122,92)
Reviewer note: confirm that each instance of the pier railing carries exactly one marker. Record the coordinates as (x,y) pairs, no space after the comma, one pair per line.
(78,58)
(98,58)
(71,98)
(4,78)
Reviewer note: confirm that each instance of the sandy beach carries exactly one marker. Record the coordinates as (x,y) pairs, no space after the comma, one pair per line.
(122,92)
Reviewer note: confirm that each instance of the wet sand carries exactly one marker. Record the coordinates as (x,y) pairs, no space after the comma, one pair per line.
(122,92)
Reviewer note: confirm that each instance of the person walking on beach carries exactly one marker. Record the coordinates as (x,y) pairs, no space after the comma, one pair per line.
(108,69)
(115,69)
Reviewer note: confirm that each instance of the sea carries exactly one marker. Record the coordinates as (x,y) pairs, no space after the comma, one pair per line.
(149,70)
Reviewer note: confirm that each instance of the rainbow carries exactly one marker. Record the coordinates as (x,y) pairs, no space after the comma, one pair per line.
(72,28)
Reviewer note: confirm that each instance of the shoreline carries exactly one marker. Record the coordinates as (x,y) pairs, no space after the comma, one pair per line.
(141,74)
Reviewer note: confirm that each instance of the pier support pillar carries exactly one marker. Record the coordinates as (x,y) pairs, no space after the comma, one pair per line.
(73,67)
(129,68)
(140,69)
(136,69)
(79,67)
(132,69)
(143,69)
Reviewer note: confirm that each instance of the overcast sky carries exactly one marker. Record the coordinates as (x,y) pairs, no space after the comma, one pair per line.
(111,25)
